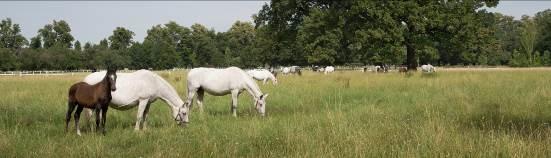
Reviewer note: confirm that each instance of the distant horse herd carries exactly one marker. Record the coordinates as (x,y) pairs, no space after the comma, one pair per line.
(122,91)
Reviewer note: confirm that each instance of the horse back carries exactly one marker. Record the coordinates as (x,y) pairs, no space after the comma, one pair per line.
(85,94)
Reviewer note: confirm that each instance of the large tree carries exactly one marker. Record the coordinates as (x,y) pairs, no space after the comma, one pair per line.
(56,34)
(121,38)
(158,46)
(36,42)
(543,22)
(377,31)
(240,40)
(10,35)
(78,46)
(528,37)
(203,45)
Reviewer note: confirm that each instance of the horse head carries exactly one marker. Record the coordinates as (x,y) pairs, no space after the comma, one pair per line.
(182,116)
(261,104)
(112,79)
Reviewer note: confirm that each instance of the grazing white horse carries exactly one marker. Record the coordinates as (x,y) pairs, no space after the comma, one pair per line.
(286,70)
(262,75)
(428,68)
(321,69)
(291,70)
(219,82)
(329,69)
(142,88)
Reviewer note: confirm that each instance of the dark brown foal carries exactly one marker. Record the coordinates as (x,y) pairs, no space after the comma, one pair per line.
(97,97)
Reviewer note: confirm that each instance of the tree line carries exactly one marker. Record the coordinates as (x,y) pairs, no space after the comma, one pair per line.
(302,32)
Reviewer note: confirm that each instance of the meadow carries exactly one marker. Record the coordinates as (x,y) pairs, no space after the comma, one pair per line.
(498,113)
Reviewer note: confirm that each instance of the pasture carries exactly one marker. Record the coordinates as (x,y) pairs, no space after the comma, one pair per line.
(505,113)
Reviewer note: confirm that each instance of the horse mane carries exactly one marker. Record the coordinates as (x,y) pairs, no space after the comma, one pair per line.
(169,87)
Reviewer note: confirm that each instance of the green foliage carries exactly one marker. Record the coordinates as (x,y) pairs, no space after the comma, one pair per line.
(104,44)
(77,46)
(8,61)
(36,42)
(240,43)
(332,32)
(121,38)
(57,34)
(10,35)
(87,45)
(543,23)
(546,58)
(203,45)
(309,32)
(519,59)
(528,38)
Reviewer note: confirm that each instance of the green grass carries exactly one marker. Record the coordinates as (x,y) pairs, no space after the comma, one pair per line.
(345,114)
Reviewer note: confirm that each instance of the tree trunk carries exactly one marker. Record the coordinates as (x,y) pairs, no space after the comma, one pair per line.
(411,60)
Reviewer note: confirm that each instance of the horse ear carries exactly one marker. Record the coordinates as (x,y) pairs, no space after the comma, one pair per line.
(264,96)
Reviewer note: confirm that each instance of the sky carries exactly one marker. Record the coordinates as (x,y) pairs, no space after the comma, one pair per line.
(93,21)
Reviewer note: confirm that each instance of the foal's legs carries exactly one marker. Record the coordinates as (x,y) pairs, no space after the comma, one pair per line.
(103,117)
(71,108)
(98,117)
(234,95)
(77,117)
(141,109)
(200,95)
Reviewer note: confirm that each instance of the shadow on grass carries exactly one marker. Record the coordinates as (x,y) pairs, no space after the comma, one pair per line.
(491,119)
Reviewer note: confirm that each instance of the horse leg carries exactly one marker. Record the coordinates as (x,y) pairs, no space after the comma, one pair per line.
(144,120)
(264,81)
(77,117)
(234,95)
(139,117)
(103,118)
(88,113)
(200,95)
(98,117)
(190,95)
(71,108)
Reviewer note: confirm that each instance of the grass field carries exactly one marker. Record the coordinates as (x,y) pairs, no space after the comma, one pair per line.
(344,114)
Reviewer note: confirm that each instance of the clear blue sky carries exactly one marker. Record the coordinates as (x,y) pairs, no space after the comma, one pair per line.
(93,21)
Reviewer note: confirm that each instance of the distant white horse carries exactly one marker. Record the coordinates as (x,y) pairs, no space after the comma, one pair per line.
(428,68)
(262,75)
(291,70)
(329,69)
(142,88)
(219,82)
(286,70)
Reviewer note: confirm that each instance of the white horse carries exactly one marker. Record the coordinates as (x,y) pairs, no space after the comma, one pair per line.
(219,82)
(428,68)
(142,88)
(262,75)
(329,69)
(291,70)
(285,70)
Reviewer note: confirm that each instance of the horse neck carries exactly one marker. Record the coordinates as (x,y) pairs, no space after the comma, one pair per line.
(105,86)
(253,89)
(170,96)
